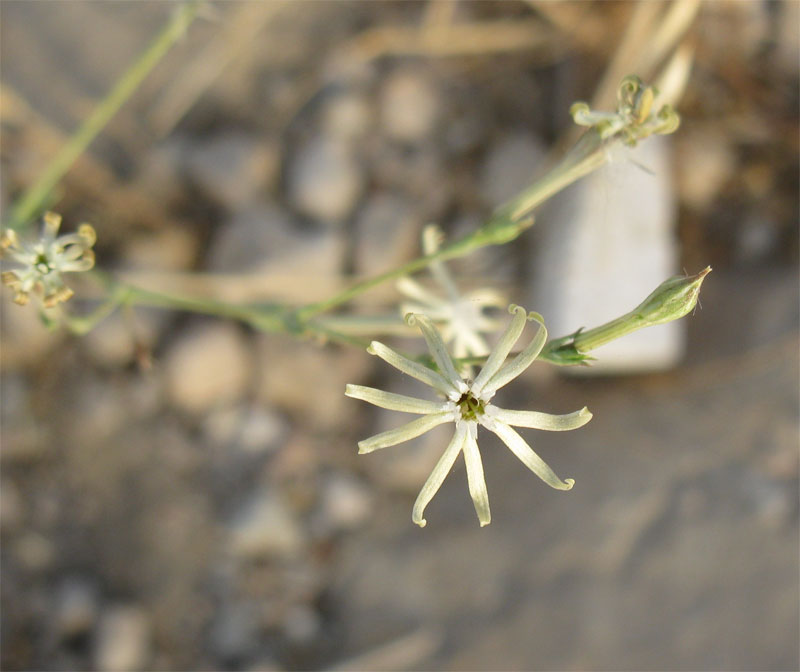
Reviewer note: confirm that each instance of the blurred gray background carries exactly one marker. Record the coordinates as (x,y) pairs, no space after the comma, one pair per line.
(180,493)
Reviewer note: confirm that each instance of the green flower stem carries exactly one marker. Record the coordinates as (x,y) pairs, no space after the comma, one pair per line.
(671,300)
(35,196)
(587,155)
(508,222)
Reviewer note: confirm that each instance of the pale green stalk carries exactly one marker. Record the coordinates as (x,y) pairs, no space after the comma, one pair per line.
(35,196)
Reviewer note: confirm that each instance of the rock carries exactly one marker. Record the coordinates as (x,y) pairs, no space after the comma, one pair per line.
(510,166)
(345,504)
(25,339)
(324,180)
(308,381)
(292,263)
(609,241)
(265,528)
(207,367)
(169,249)
(348,116)
(123,640)
(24,437)
(254,429)
(76,608)
(34,552)
(234,633)
(121,338)
(11,506)
(707,161)
(232,167)
(410,106)
(301,624)
(387,232)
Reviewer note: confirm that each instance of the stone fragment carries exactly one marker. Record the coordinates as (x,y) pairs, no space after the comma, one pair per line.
(255,429)
(345,504)
(232,167)
(265,528)
(410,106)
(388,234)
(76,608)
(510,166)
(324,180)
(207,367)
(293,263)
(123,640)
(348,116)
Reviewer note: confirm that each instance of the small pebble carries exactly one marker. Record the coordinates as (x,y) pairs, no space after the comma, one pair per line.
(207,367)
(345,503)
(123,640)
(324,180)
(265,528)
(76,607)
(348,116)
(410,106)
(232,167)
(387,233)
(511,165)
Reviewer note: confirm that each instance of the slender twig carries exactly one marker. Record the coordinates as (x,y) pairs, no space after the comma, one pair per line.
(34,197)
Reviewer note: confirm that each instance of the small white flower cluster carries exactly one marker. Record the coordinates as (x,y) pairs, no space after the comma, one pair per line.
(42,261)
(467,403)
(634,118)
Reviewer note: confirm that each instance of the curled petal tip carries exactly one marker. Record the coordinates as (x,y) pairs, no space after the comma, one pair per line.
(421,522)
(371,348)
(569,482)
(411,319)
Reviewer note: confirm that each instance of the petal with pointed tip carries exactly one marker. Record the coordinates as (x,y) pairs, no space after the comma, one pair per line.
(438,350)
(537,420)
(476,480)
(438,474)
(413,369)
(501,350)
(521,362)
(395,402)
(525,453)
(405,432)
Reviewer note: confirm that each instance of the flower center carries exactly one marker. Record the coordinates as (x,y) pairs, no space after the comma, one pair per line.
(42,264)
(471,407)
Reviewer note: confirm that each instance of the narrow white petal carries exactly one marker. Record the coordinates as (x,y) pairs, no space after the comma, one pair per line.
(501,350)
(396,402)
(414,290)
(413,369)
(405,432)
(521,362)
(524,452)
(476,480)
(52,222)
(438,350)
(537,420)
(439,473)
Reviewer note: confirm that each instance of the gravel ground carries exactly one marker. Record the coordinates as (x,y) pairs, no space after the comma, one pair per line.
(182,493)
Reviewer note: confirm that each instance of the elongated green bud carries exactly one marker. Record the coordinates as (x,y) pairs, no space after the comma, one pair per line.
(671,300)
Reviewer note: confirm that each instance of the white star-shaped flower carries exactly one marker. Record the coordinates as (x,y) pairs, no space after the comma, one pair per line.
(461,318)
(42,261)
(467,403)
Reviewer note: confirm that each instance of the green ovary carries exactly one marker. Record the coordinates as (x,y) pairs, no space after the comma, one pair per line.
(470,407)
